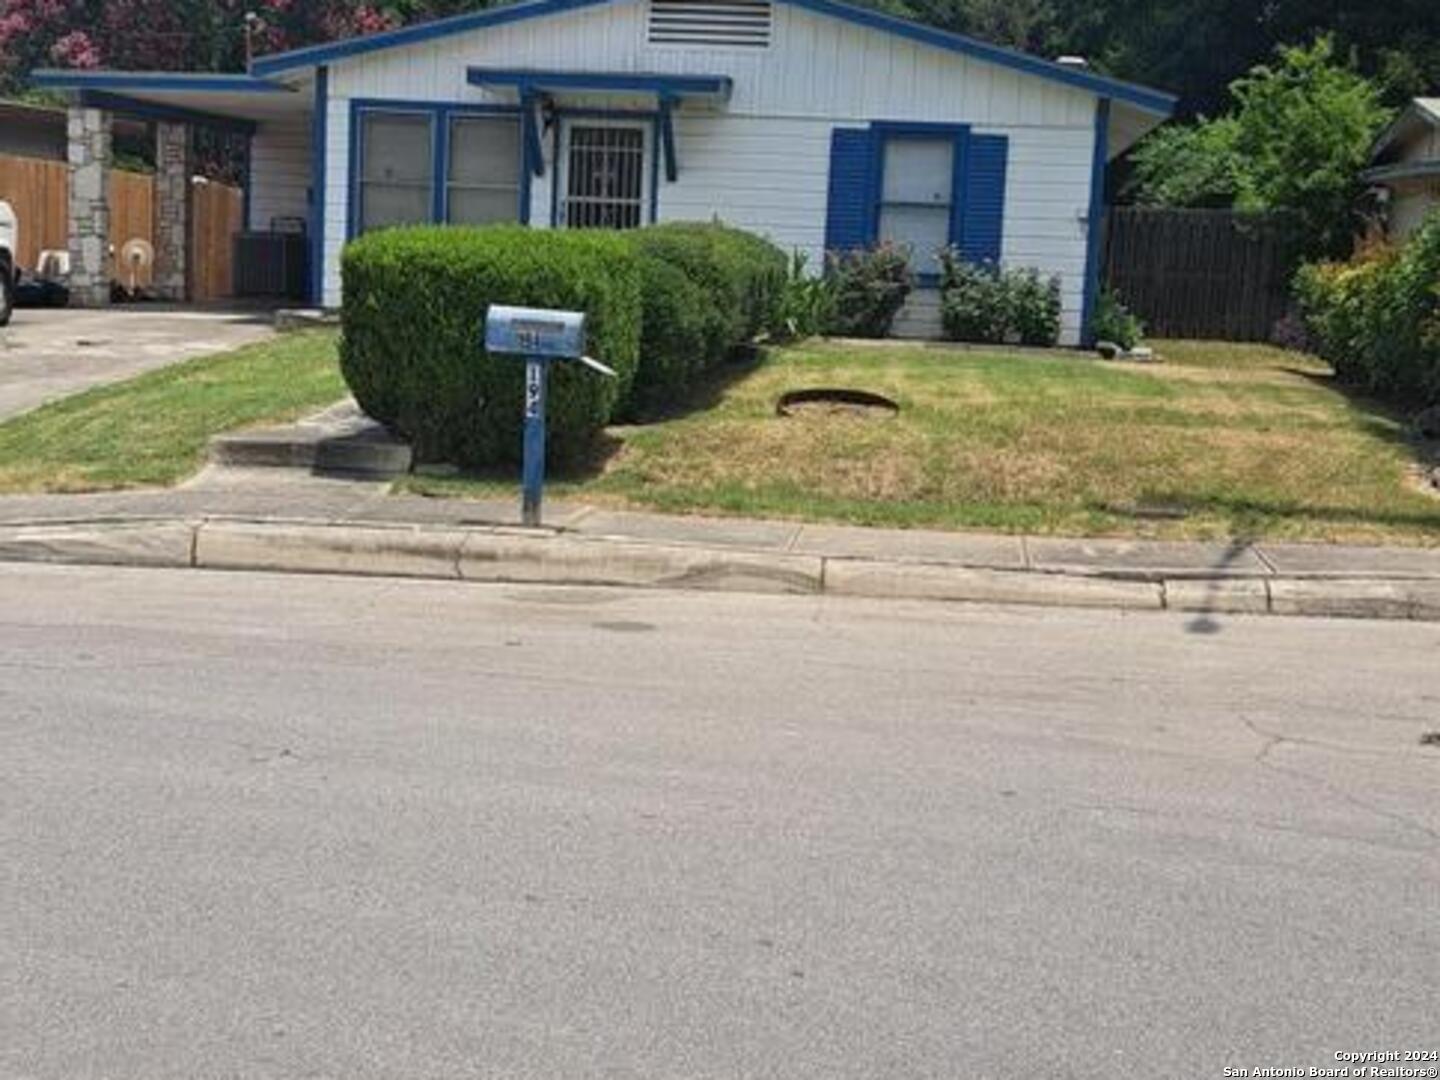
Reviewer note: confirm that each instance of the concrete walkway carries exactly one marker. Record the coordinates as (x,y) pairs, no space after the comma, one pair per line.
(275,519)
(50,353)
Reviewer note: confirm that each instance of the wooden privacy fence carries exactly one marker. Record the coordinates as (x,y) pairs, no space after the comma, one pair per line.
(37,191)
(1202,273)
(217,215)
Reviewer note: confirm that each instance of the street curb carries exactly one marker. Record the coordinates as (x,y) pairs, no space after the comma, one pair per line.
(528,556)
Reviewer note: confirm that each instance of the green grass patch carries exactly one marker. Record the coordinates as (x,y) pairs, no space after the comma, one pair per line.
(153,429)
(1241,441)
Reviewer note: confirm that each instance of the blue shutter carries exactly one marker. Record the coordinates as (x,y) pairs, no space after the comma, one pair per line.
(983,215)
(850,212)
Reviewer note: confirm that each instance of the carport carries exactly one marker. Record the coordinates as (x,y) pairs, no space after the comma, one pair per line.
(280,224)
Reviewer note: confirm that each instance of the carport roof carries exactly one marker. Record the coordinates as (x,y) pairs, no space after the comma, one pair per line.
(236,102)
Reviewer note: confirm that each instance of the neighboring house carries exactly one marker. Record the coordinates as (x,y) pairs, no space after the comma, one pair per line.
(1405,163)
(815,123)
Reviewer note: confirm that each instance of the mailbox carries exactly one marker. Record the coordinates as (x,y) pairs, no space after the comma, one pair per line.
(537,332)
(540,337)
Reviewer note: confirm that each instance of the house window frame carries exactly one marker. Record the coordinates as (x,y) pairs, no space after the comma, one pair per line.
(358,181)
(646,122)
(440,114)
(959,137)
(448,120)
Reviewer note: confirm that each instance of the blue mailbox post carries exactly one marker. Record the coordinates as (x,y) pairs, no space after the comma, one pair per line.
(541,336)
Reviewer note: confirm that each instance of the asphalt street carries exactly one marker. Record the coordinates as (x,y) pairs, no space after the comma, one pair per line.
(262,826)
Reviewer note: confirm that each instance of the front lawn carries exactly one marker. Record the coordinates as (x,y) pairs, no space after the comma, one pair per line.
(1220,440)
(153,429)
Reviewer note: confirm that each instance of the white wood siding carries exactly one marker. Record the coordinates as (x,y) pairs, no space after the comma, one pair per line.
(279,172)
(762,161)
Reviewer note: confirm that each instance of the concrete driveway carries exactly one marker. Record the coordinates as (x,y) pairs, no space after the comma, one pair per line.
(47,353)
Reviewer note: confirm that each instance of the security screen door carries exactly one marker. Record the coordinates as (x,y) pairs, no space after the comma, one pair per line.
(606,182)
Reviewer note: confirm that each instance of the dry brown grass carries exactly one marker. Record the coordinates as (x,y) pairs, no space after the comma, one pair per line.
(1243,440)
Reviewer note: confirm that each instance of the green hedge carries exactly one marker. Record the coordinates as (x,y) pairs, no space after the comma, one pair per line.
(665,304)
(707,289)
(412,333)
(1377,319)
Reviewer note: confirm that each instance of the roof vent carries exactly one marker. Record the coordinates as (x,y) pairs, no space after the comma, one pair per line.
(719,24)
(1079,63)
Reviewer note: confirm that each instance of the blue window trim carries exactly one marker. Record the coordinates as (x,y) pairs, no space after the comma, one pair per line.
(440,113)
(666,140)
(885,132)
(319,140)
(1095,219)
(652,115)
(1142,97)
(152,110)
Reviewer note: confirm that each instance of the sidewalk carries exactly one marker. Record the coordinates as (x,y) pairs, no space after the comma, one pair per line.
(257,520)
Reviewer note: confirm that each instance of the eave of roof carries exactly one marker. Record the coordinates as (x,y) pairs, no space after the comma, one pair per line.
(1423,110)
(1408,170)
(1140,97)
(198,82)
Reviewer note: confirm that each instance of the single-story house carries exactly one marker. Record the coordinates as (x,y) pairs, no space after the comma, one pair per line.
(1405,165)
(816,123)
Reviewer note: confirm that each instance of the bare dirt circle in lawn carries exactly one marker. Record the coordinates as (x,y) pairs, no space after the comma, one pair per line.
(836,401)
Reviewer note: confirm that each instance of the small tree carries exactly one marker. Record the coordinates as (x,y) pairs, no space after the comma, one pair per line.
(1297,139)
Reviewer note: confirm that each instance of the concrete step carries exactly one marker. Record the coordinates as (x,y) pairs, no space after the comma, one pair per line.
(340,440)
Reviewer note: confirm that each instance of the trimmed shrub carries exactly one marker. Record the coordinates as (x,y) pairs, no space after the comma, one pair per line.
(870,286)
(681,335)
(972,303)
(707,289)
(412,346)
(994,306)
(1377,319)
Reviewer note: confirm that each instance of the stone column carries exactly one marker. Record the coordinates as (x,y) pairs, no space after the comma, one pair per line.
(88,132)
(173,202)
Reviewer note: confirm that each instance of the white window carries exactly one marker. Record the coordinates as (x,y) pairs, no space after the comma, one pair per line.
(605,175)
(716,24)
(483,184)
(915,198)
(396,169)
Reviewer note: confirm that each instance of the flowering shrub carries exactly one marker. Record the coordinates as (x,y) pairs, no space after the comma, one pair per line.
(1377,319)
(869,289)
(995,306)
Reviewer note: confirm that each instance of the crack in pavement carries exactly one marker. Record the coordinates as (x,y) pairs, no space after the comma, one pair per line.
(1263,758)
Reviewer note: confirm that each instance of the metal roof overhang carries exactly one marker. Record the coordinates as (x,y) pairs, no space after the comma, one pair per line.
(526,81)
(531,84)
(228,102)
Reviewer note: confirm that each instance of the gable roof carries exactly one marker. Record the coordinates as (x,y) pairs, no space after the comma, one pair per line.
(1420,112)
(1141,97)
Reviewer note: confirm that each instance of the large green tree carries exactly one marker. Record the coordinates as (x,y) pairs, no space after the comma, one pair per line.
(1296,138)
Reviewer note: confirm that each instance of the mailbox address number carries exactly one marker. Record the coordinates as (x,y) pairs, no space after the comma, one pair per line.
(531,335)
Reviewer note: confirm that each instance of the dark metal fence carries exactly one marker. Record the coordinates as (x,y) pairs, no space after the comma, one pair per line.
(1201,273)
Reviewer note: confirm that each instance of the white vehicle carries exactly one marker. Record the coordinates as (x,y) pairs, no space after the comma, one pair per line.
(9,244)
